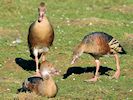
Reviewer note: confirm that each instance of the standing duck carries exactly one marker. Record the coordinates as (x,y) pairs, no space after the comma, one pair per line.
(40,37)
(98,44)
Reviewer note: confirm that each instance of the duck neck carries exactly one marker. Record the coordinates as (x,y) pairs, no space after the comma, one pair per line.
(79,50)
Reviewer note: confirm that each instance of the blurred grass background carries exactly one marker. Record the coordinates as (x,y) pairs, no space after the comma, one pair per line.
(72,19)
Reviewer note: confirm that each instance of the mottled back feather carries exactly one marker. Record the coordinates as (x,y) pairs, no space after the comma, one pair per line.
(98,44)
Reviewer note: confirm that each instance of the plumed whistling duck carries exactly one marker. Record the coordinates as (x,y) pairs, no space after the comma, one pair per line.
(98,44)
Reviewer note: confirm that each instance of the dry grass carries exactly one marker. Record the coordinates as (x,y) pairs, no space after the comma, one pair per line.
(123,9)
(92,22)
(71,19)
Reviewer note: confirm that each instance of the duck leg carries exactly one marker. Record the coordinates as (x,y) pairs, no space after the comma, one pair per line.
(37,68)
(96,73)
(117,73)
(36,61)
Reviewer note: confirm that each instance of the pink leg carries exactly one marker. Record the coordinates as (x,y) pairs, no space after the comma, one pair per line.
(96,74)
(37,69)
(117,73)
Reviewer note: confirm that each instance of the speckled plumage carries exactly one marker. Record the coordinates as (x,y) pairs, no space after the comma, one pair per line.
(98,44)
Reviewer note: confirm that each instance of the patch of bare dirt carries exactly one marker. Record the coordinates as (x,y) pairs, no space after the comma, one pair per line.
(27,96)
(128,43)
(8,1)
(124,9)
(127,72)
(11,65)
(5,31)
(31,96)
(91,21)
(11,72)
(129,36)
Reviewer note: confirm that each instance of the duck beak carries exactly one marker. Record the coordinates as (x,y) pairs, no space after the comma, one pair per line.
(74,59)
(72,62)
(41,15)
(54,71)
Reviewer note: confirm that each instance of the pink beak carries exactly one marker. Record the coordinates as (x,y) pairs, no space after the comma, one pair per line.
(41,15)
(75,57)
(73,61)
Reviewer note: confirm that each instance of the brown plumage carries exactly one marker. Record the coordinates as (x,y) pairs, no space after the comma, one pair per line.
(40,37)
(48,67)
(45,85)
(98,44)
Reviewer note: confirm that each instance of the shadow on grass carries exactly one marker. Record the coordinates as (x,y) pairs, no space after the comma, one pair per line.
(28,65)
(80,70)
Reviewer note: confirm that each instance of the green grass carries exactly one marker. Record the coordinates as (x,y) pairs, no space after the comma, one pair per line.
(72,19)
